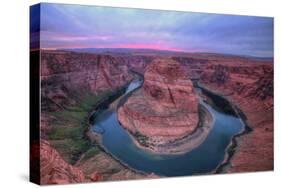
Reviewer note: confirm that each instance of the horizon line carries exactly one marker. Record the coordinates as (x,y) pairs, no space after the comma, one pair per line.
(169,50)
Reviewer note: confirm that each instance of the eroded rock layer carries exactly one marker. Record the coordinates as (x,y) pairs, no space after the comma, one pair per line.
(65,76)
(54,170)
(250,87)
(165,108)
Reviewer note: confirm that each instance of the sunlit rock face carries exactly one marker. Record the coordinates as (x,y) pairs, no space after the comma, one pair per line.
(166,106)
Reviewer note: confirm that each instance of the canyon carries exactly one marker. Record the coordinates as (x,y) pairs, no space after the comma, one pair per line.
(73,83)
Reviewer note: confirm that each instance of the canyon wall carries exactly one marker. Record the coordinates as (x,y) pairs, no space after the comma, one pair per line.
(66,76)
(249,85)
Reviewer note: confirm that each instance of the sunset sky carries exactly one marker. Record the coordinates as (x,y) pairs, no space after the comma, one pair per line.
(75,26)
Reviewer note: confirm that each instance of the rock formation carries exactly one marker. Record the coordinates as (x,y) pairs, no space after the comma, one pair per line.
(249,85)
(164,109)
(54,170)
(67,75)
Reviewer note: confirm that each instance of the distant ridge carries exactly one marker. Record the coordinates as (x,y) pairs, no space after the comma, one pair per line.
(155,51)
(121,50)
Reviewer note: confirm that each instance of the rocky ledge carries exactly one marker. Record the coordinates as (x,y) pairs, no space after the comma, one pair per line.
(163,115)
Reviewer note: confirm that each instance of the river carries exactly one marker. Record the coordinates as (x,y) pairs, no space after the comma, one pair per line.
(203,159)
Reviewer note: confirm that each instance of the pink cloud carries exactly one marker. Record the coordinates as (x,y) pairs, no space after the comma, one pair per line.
(148,46)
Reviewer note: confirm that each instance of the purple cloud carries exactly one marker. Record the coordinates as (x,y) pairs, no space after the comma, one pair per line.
(75,26)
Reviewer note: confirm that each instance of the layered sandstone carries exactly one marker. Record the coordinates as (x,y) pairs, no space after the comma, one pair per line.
(66,76)
(250,87)
(54,170)
(164,109)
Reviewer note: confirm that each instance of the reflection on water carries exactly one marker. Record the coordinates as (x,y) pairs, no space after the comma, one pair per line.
(202,159)
(133,85)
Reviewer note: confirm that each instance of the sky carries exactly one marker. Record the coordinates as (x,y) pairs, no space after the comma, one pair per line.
(77,26)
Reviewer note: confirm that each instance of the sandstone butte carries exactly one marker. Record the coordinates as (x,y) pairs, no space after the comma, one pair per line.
(164,109)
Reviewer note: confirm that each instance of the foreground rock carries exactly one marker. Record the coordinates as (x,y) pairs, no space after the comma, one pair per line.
(164,110)
(54,170)
(102,167)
